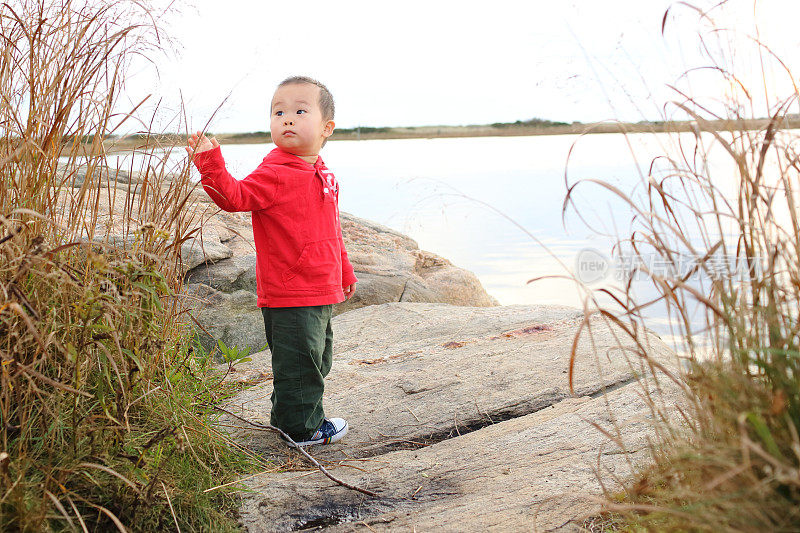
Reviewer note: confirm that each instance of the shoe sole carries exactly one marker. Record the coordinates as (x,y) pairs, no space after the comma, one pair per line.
(330,440)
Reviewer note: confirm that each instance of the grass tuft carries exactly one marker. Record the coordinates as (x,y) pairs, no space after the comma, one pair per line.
(727,200)
(104,389)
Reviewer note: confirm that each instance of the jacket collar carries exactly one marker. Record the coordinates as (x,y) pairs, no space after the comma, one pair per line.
(279,156)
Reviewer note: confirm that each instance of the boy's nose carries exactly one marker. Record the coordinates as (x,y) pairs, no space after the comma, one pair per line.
(288,123)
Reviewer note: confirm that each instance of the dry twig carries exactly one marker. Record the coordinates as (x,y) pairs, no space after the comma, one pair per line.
(305,453)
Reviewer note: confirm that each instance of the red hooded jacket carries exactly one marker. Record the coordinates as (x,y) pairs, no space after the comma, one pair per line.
(300,254)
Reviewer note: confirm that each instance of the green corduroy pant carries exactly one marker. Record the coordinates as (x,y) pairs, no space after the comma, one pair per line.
(301,342)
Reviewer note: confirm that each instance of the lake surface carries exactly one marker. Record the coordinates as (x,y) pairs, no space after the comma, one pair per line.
(493,205)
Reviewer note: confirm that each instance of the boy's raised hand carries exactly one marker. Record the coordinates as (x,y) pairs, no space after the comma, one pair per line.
(198,142)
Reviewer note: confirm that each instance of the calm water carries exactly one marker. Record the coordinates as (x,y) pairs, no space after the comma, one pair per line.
(492,205)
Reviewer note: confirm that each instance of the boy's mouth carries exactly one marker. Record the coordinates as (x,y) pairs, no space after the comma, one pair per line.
(288,133)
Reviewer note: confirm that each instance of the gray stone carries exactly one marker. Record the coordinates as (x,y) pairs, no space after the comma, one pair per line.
(230,317)
(236,273)
(75,175)
(209,249)
(391,267)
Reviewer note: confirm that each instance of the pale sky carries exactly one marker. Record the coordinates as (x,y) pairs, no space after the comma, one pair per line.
(450,62)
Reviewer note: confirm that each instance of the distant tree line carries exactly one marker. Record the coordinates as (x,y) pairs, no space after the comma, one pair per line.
(535,122)
(362,129)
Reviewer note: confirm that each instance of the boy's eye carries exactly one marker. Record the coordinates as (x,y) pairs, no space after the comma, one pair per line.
(279,113)
(301,111)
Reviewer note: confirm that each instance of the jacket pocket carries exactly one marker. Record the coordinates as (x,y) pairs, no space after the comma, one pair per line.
(318,267)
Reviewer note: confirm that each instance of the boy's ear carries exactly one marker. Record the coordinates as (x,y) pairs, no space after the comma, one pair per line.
(328,129)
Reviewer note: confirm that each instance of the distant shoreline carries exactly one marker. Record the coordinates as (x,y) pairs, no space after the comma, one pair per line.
(488,130)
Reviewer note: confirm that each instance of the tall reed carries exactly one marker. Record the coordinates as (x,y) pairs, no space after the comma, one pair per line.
(102,392)
(718,214)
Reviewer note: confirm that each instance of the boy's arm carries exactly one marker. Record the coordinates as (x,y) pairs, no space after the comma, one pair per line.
(256,191)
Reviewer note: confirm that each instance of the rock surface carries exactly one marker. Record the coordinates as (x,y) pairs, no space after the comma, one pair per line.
(460,418)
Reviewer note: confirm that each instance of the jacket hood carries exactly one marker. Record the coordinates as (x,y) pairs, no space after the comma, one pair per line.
(279,156)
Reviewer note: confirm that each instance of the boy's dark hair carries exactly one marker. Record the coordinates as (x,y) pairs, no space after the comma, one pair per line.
(325,96)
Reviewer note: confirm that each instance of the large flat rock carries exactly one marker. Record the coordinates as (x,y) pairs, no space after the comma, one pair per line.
(537,472)
(461,420)
(407,373)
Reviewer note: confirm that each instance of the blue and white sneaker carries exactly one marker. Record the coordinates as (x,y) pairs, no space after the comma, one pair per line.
(331,430)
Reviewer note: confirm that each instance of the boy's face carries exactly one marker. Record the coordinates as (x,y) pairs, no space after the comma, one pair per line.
(296,122)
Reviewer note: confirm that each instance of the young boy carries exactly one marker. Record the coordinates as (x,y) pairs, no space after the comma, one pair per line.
(302,267)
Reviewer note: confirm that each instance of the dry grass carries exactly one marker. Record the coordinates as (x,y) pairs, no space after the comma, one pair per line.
(733,462)
(103,417)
